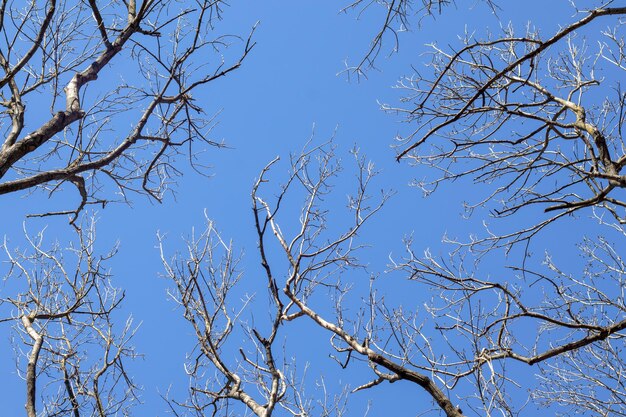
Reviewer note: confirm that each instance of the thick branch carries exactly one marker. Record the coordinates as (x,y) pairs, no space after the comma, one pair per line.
(31,369)
(73,111)
(422,380)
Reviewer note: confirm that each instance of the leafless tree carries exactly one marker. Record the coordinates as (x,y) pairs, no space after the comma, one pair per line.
(266,377)
(101,95)
(533,121)
(525,117)
(303,260)
(64,310)
(528,110)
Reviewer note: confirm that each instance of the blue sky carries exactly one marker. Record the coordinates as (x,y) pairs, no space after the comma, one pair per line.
(289,88)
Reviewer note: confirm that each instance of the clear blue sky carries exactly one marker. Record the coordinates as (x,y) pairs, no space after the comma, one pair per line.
(287,86)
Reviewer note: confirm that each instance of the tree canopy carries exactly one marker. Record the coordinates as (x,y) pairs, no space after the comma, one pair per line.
(315,280)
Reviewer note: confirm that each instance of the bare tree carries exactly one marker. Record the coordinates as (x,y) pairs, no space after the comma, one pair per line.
(532,121)
(528,110)
(64,312)
(101,95)
(315,257)
(265,379)
(525,117)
